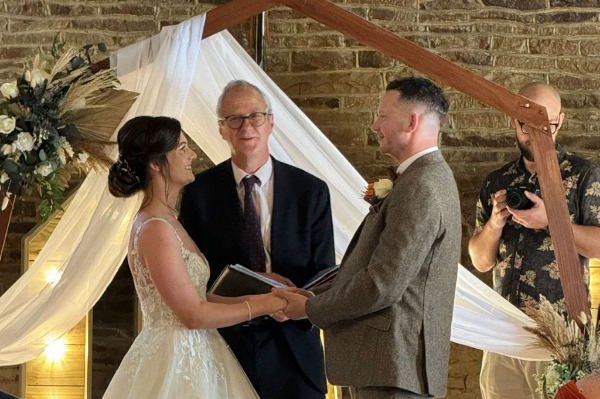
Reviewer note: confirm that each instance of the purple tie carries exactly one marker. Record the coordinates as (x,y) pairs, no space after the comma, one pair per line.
(253,242)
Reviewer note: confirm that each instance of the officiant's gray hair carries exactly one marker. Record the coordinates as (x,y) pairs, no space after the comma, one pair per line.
(237,84)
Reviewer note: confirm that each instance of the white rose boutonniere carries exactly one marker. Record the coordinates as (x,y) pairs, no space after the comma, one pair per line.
(376,193)
(382,187)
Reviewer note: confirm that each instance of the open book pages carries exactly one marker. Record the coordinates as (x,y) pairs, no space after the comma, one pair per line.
(236,280)
(258,276)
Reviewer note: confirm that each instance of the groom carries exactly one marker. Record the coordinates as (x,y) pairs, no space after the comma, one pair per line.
(387,315)
(295,241)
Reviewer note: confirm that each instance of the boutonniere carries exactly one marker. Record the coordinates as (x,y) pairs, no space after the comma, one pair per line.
(376,192)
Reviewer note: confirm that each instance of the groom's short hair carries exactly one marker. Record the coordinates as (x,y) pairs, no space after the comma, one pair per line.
(419,90)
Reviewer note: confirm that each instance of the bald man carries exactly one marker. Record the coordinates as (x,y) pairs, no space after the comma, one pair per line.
(512,239)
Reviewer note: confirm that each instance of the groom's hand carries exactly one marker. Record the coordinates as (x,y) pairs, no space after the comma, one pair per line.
(296,308)
(301,291)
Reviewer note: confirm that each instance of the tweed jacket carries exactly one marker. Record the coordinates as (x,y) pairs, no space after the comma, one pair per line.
(387,315)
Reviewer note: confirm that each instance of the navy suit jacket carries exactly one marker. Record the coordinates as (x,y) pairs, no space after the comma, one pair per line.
(301,241)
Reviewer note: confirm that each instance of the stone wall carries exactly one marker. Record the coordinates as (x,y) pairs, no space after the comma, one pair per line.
(337,81)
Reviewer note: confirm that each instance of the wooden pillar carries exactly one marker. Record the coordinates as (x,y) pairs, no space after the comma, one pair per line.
(52,375)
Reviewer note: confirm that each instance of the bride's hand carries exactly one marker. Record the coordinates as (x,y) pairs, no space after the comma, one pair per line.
(296,308)
(266,304)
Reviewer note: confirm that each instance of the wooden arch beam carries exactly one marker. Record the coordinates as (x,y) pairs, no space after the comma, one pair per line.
(469,83)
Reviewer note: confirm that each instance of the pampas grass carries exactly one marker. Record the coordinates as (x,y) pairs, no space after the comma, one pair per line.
(575,351)
(93,104)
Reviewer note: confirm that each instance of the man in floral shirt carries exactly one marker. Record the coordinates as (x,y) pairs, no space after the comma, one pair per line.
(516,243)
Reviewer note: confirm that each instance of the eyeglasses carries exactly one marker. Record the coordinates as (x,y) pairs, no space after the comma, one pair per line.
(256,119)
(553,127)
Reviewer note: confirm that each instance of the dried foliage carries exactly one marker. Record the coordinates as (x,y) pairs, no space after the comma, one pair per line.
(575,351)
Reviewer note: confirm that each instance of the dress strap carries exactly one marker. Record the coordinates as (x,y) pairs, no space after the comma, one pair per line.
(137,232)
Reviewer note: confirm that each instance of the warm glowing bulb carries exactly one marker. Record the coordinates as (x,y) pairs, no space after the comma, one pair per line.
(56,349)
(53,276)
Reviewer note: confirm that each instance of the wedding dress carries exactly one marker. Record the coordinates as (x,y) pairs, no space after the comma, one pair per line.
(168,360)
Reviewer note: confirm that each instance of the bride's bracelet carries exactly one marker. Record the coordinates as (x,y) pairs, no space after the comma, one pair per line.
(249,310)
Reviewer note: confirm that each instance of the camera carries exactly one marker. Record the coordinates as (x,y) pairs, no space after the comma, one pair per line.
(516,198)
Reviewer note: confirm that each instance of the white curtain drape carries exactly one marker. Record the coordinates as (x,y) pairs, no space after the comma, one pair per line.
(175,78)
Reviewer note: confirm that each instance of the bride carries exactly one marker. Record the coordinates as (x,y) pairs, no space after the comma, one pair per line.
(178,353)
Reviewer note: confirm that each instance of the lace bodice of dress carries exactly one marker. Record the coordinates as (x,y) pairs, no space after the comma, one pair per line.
(155,311)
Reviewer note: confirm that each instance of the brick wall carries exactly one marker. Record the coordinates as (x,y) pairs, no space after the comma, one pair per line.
(337,81)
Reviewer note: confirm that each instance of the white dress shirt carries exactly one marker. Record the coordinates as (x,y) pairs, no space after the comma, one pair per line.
(404,165)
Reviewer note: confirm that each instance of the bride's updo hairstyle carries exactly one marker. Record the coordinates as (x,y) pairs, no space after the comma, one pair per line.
(142,140)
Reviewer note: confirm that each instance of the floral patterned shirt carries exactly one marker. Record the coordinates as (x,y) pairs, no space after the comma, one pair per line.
(526,265)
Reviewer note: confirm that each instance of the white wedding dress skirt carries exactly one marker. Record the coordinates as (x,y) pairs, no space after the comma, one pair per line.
(168,360)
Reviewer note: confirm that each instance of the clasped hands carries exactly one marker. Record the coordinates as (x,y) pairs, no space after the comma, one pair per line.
(295,298)
(296,303)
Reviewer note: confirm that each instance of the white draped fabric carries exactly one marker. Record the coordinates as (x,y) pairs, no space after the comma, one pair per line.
(175,78)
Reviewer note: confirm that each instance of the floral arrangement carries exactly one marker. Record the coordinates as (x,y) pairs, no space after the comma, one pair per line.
(575,351)
(56,119)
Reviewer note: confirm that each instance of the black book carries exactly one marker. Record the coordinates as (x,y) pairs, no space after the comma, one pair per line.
(322,277)
(237,280)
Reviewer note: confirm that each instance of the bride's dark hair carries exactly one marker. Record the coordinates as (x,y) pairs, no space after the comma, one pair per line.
(142,140)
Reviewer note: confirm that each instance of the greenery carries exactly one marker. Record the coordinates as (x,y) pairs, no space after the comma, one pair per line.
(43,133)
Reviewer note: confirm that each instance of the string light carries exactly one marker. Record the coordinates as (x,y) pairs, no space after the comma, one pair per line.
(55,352)
(53,276)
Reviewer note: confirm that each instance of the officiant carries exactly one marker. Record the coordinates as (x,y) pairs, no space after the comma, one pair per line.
(270,217)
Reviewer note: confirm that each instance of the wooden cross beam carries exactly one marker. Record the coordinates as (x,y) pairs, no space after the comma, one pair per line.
(469,83)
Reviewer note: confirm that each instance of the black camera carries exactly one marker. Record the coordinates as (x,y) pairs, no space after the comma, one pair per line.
(516,198)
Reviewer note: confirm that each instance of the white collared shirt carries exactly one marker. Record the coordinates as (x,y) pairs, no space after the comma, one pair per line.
(404,165)
(263,200)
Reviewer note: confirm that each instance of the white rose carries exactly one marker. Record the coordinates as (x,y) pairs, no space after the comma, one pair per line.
(82,157)
(3,177)
(9,90)
(382,187)
(24,141)
(44,169)
(7,124)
